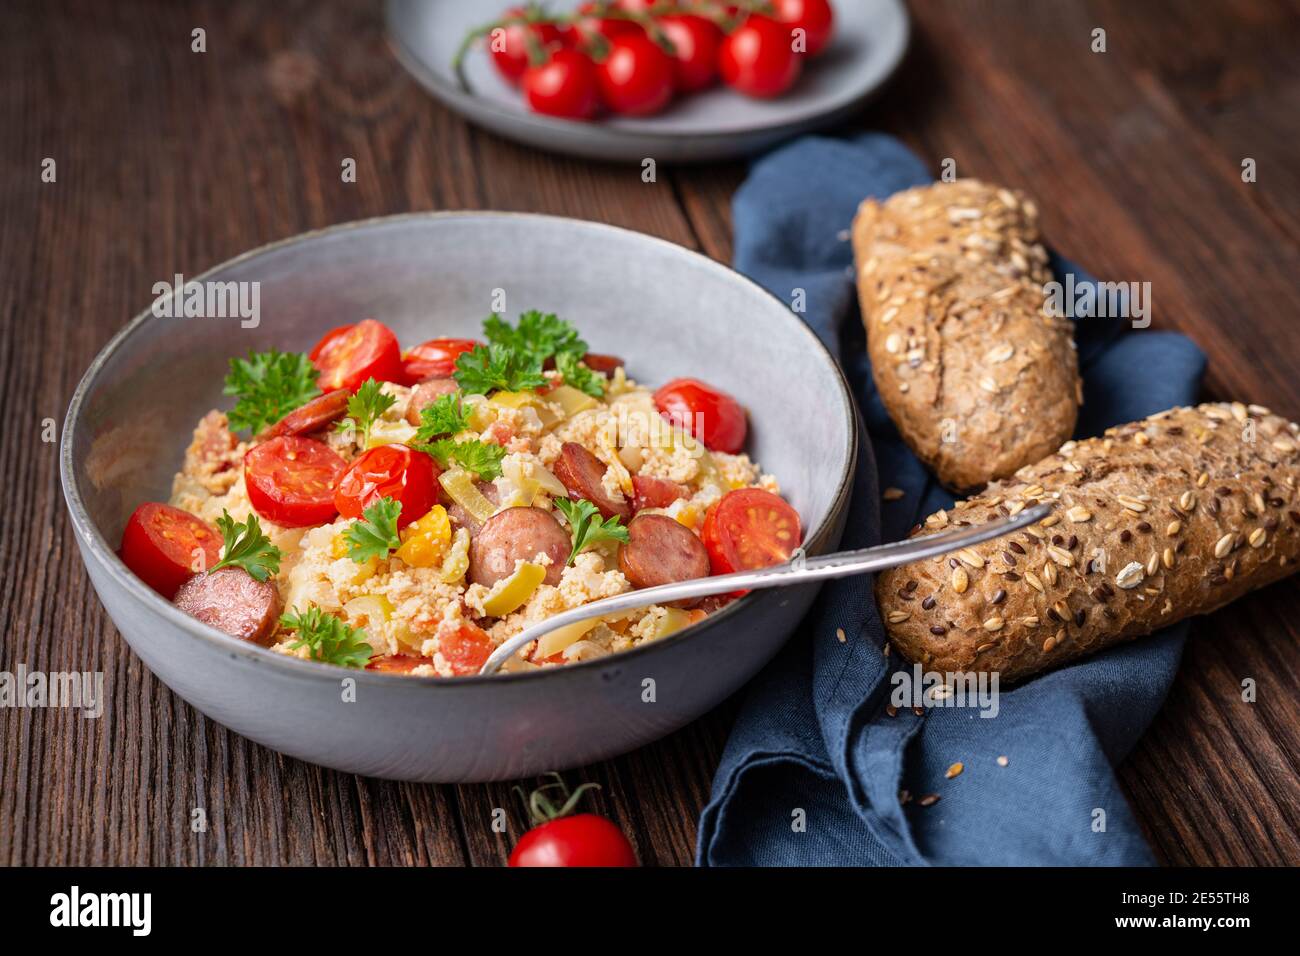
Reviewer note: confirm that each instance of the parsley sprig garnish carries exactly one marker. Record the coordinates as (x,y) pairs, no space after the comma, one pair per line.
(447,415)
(586,527)
(579,376)
(375,533)
(365,408)
(498,368)
(245,546)
(328,638)
(267,386)
(481,457)
(539,335)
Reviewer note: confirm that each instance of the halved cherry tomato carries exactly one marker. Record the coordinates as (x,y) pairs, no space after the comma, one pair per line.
(350,354)
(389,471)
(690,403)
(291,480)
(651,492)
(696,41)
(312,417)
(396,663)
(748,529)
(636,78)
(564,86)
(435,358)
(814,17)
(465,646)
(509,45)
(758,60)
(160,544)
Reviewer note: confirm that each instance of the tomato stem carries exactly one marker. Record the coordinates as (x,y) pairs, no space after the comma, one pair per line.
(541,809)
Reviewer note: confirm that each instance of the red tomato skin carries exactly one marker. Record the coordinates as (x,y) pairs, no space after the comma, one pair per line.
(696,41)
(350,354)
(158,546)
(757,59)
(583,839)
(725,520)
(465,647)
(564,86)
(395,663)
(636,78)
(435,358)
(593,25)
(814,17)
(510,53)
(389,471)
(273,470)
(723,426)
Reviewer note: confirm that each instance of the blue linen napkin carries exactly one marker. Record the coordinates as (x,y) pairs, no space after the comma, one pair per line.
(812,771)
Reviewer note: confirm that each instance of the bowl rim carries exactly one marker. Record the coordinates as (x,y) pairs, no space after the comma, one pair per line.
(101,550)
(466,101)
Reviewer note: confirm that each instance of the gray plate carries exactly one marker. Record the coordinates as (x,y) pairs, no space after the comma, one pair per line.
(676,313)
(870,39)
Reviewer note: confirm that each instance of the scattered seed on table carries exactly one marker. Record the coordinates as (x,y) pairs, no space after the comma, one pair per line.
(893,494)
(929,800)
(1003,761)
(839,633)
(955,769)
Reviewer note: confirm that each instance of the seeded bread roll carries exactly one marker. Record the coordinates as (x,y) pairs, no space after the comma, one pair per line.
(1157,520)
(978,378)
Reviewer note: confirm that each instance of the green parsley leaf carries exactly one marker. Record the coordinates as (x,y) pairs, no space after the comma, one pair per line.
(482,458)
(579,376)
(538,334)
(375,534)
(328,638)
(365,408)
(585,530)
(446,416)
(497,368)
(245,546)
(268,386)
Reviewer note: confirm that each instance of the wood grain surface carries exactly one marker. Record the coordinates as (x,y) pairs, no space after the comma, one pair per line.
(171,161)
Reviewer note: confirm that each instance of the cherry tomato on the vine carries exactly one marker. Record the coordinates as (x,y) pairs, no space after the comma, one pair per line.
(511,45)
(591,24)
(758,58)
(696,41)
(814,17)
(561,838)
(636,77)
(564,86)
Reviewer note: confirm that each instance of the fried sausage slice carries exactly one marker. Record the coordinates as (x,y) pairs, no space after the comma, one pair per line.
(581,472)
(312,417)
(517,534)
(661,551)
(231,600)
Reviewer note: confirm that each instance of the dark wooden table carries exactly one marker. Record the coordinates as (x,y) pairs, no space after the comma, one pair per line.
(171,161)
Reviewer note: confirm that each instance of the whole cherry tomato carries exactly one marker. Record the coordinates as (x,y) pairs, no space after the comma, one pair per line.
(636,78)
(561,838)
(758,58)
(350,354)
(389,471)
(435,358)
(814,17)
(511,44)
(591,24)
(290,480)
(712,416)
(161,544)
(696,41)
(564,86)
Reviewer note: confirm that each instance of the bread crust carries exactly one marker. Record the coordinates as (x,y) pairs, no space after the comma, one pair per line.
(978,378)
(1154,522)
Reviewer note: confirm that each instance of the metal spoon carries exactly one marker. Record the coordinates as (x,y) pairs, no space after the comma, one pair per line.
(801,570)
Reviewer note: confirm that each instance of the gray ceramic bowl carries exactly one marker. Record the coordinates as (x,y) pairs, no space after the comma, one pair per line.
(666,310)
(870,39)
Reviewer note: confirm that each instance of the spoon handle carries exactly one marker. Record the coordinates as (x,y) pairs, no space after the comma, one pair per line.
(800,570)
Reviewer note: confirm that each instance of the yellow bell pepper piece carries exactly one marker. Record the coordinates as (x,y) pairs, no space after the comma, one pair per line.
(673,621)
(424,541)
(571,400)
(456,563)
(510,593)
(459,485)
(560,638)
(514,399)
